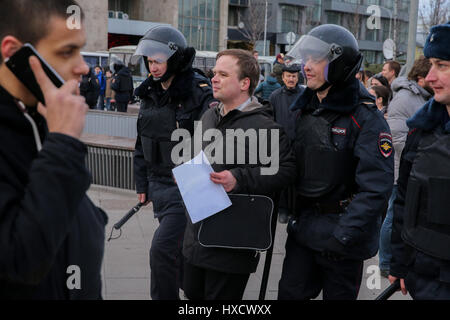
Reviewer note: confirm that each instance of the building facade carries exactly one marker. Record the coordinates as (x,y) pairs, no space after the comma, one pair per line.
(371,21)
(111,23)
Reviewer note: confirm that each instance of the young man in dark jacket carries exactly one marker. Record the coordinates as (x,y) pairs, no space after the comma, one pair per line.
(345,164)
(51,234)
(174,96)
(122,84)
(421,225)
(90,89)
(220,273)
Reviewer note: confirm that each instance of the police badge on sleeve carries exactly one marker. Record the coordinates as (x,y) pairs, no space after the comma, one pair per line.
(385,144)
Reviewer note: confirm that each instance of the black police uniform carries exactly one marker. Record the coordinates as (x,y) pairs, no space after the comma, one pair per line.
(344,157)
(163,111)
(421,226)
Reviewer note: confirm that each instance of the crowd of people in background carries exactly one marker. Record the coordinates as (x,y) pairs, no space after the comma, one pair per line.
(107,89)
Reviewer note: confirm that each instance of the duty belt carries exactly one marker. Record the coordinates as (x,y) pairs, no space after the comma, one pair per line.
(329,207)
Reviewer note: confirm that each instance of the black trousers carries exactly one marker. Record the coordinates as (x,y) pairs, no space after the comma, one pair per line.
(207,284)
(121,106)
(166,258)
(306,272)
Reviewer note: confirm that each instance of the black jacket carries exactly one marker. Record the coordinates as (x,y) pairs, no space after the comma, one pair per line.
(47,223)
(89,88)
(190,94)
(249,180)
(281,100)
(359,129)
(123,85)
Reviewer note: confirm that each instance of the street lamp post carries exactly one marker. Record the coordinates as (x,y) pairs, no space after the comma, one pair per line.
(265,30)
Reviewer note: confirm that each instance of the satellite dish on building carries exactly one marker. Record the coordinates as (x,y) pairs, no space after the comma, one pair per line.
(241,25)
(388,49)
(290,38)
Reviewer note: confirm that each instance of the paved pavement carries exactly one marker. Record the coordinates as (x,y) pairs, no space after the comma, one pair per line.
(125,271)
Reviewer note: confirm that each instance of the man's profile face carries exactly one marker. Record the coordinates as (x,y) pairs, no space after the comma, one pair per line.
(61,48)
(387,72)
(226,84)
(439,80)
(157,65)
(315,72)
(290,79)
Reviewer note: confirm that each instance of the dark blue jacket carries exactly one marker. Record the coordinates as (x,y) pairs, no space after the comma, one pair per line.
(355,232)
(424,121)
(102,83)
(267,87)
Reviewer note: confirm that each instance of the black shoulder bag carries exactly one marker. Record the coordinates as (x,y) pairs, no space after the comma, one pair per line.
(246,224)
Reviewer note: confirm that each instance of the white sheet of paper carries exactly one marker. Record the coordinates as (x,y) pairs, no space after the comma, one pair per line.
(201,196)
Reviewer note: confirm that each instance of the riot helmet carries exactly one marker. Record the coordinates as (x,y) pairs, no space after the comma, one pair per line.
(165,44)
(333,43)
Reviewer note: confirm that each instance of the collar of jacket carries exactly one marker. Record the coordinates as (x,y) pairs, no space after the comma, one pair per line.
(294,90)
(403,83)
(178,88)
(431,115)
(342,98)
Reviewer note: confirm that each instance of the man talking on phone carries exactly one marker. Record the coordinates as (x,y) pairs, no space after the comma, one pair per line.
(51,235)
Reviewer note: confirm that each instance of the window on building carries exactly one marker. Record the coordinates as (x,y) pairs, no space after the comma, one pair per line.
(291,18)
(334,17)
(233,16)
(198,20)
(119,5)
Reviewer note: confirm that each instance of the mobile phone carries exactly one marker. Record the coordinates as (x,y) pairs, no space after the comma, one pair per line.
(20,67)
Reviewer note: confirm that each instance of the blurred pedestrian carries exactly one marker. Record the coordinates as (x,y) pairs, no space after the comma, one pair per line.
(266,88)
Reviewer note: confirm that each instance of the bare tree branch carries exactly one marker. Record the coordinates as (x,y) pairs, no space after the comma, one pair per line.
(433,12)
(254,20)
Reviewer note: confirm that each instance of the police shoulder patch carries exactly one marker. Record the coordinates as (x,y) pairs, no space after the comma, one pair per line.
(385,144)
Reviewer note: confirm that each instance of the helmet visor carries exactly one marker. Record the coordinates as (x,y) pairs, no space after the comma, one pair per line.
(311,48)
(155,50)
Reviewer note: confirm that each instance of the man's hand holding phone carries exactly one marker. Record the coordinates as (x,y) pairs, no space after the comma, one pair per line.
(65,109)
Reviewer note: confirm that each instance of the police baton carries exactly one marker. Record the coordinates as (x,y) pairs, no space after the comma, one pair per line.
(386,294)
(125,218)
(269,252)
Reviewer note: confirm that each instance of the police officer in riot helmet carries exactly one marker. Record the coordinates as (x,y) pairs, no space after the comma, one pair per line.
(174,96)
(421,226)
(345,164)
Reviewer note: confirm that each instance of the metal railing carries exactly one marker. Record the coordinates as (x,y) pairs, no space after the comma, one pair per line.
(111,167)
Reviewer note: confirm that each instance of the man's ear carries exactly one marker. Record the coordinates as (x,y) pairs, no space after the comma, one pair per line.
(9,46)
(245,84)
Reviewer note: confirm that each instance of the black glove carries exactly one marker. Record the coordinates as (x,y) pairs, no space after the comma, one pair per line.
(334,250)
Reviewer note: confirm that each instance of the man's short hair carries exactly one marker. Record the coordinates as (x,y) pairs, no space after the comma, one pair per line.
(27,20)
(247,64)
(420,68)
(394,65)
